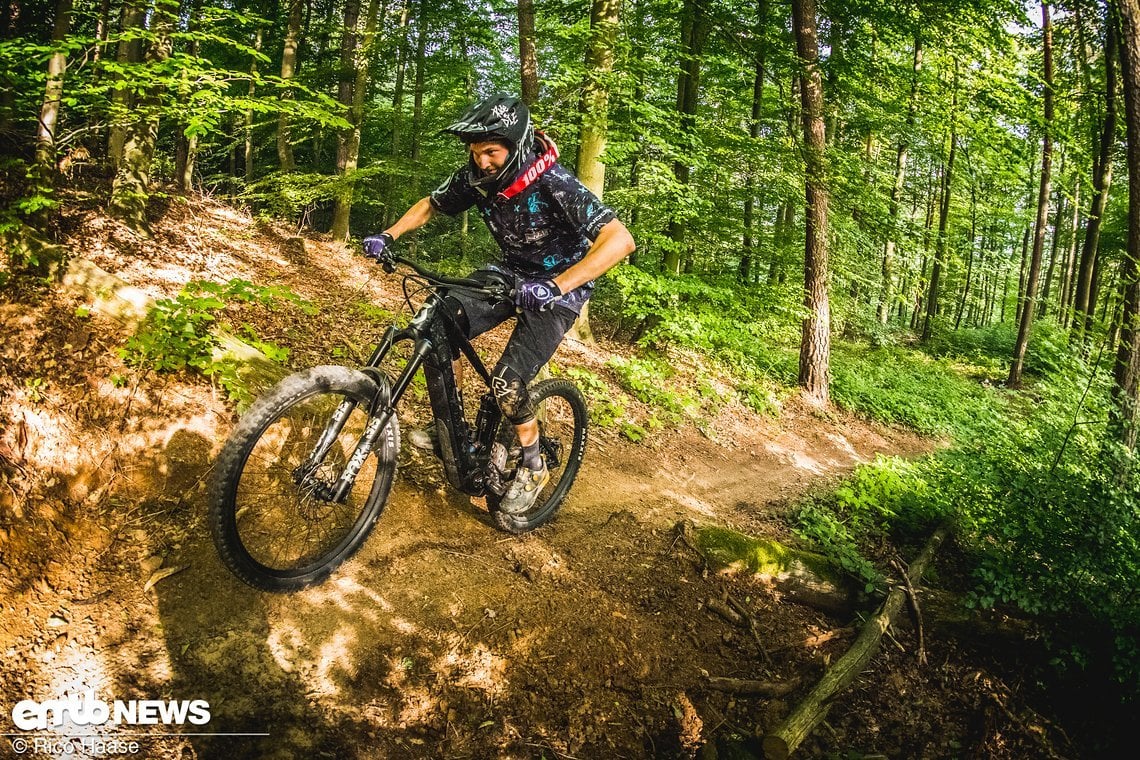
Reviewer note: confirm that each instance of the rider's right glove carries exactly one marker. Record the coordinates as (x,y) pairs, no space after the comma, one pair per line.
(379,247)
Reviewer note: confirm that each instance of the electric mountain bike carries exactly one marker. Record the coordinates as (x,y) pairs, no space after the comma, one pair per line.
(303,478)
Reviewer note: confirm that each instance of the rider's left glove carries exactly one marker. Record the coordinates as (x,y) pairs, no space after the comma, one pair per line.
(537,295)
(379,247)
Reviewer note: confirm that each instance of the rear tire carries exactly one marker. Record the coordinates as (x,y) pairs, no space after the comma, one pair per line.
(278,534)
(563,425)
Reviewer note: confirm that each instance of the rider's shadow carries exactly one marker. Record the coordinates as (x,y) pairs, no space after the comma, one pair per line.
(220,638)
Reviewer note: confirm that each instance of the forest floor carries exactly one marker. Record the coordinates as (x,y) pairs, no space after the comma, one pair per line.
(442,637)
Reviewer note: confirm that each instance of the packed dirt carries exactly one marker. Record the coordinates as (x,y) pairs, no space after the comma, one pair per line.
(442,637)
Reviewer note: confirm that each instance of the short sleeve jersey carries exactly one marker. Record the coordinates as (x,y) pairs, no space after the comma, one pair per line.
(542,231)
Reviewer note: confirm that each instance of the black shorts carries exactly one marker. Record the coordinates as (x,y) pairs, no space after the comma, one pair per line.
(536,336)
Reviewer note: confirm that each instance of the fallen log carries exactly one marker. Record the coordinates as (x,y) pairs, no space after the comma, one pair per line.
(786,737)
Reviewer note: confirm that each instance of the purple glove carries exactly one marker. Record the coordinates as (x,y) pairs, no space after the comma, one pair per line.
(537,295)
(378,247)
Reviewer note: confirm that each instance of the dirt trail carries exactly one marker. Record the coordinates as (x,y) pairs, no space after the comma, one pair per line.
(443,637)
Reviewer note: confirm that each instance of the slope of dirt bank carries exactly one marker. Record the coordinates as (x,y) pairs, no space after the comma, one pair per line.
(443,637)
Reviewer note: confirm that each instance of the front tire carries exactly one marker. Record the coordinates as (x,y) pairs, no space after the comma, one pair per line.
(563,424)
(270,516)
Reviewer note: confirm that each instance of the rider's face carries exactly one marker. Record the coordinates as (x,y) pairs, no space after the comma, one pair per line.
(489,157)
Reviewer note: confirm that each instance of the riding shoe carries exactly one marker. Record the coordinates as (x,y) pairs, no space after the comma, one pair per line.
(524,489)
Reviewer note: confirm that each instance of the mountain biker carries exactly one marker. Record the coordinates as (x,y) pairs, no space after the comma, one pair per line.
(556,239)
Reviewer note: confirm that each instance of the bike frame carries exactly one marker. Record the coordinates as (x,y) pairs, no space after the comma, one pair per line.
(432,333)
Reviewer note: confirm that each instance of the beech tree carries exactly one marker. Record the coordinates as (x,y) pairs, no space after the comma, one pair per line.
(815,345)
(1028,309)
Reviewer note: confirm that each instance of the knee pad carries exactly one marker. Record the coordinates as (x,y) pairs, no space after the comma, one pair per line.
(511,393)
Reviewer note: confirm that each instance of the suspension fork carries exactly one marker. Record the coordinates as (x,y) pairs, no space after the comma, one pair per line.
(340,417)
(380,420)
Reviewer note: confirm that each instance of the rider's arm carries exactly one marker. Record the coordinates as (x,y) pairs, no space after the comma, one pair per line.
(414,218)
(612,245)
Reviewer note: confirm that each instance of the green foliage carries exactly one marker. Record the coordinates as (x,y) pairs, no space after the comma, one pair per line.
(884,497)
(1044,524)
(646,380)
(906,387)
(827,532)
(178,332)
(606,407)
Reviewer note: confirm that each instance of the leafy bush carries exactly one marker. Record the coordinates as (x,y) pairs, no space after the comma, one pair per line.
(1044,523)
(905,387)
(645,380)
(176,334)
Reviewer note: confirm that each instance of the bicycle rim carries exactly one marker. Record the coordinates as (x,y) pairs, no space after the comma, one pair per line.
(283,518)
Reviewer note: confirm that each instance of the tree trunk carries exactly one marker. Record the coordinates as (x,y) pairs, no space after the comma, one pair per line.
(1067,270)
(886,291)
(969,257)
(1126,373)
(943,222)
(748,258)
(694,33)
(933,199)
(9,14)
(1030,194)
(1043,307)
(1028,306)
(186,154)
(53,93)
(1083,304)
(418,95)
(130,191)
(248,152)
(594,109)
(528,57)
(128,52)
(815,343)
(594,104)
(357,63)
(398,92)
(288,71)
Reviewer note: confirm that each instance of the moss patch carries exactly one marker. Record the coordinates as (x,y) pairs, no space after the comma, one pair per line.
(726,549)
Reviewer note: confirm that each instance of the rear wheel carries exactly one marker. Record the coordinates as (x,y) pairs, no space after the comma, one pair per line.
(562,423)
(273,515)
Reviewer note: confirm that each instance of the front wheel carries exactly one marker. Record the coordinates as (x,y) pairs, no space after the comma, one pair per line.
(275,516)
(562,424)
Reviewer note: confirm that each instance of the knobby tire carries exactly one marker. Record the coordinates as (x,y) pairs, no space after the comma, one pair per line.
(260,518)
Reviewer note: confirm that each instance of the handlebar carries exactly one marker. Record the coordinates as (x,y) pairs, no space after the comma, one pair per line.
(494,290)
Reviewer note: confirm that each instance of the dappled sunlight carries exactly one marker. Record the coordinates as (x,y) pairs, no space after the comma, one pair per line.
(332,656)
(845,447)
(77,671)
(479,668)
(286,644)
(690,502)
(795,457)
(228,214)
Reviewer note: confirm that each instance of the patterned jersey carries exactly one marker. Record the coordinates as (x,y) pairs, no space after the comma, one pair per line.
(542,231)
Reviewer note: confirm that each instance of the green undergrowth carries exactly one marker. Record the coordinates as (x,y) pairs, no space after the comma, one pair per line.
(182,333)
(752,336)
(1043,522)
